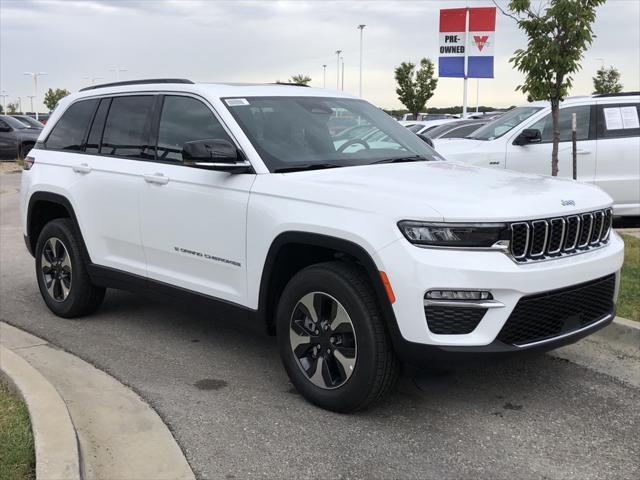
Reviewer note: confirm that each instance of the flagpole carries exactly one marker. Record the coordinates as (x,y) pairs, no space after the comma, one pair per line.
(466,62)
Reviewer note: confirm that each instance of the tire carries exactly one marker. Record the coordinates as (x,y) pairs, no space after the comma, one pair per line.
(61,271)
(359,364)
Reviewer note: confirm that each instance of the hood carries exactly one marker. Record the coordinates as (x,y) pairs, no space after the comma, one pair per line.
(449,191)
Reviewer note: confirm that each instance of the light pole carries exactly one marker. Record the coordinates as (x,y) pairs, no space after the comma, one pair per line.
(361,28)
(117,70)
(324,76)
(4,96)
(31,97)
(20,105)
(338,52)
(35,76)
(342,61)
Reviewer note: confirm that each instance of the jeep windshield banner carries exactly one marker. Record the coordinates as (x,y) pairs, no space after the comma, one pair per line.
(479,43)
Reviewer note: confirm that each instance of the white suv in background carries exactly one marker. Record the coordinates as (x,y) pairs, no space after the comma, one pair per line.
(608,144)
(357,256)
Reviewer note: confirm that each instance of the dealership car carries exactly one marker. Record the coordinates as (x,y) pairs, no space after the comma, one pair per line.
(357,256)
(16,138)
(608,144)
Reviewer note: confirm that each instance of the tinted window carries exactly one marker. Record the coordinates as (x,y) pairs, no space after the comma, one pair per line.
(583,119)
(127,129)
(95,134)
(462,132)
(69,132)
(15,123)
(619,120)
(3,124)
(504,123)
(185,119)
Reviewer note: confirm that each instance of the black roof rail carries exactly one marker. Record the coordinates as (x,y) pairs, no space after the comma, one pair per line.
(137,82)
(289,84)
(619,94)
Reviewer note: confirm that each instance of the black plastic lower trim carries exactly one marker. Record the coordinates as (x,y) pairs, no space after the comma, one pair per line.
(27,243)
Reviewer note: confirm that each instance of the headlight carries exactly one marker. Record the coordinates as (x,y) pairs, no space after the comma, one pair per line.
(466,235)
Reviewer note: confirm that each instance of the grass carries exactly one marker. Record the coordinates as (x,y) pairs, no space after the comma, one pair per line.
(629,299)
(17,456)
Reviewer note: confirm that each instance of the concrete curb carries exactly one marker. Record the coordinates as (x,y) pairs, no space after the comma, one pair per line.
(622,332)
(56,444)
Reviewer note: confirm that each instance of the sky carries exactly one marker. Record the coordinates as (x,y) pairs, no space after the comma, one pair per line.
(265,41)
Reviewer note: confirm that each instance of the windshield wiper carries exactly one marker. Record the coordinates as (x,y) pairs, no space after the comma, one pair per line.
(413,158)
(307,166)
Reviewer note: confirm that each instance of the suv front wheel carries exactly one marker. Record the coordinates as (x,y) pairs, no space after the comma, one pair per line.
(332,338)
(62,275)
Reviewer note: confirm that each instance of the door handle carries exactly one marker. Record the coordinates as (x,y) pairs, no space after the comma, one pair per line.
(82,168)
(157,178)
(583,152)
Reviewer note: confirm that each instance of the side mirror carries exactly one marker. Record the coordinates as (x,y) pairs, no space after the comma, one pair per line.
(214,154)
(528,135)
(426,139)
(6,129)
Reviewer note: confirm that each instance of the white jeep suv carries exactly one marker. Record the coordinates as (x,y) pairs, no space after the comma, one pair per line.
(357,256)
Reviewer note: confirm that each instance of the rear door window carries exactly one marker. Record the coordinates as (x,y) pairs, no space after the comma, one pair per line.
(126,132)
(618,120)
(70,131)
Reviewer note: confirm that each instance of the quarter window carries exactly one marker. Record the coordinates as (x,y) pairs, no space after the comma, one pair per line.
(69,132)
(185,119)
(583,121)
(618,120)
(126,132)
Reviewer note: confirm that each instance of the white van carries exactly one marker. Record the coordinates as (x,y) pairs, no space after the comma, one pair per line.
(608,150)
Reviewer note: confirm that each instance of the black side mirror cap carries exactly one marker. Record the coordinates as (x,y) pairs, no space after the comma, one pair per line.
(528,135)
(214,154)
(426,139)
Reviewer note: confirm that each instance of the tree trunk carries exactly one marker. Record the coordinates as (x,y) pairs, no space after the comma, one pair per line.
(555,114)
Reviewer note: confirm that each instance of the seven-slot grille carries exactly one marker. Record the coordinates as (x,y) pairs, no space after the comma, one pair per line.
(560,236)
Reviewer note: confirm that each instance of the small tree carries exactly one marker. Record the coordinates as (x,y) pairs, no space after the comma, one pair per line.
(607,80)
(557,35)
(415,88)
(12,108)
(52,97)
(300,79)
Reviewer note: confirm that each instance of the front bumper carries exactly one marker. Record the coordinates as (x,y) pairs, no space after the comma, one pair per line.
(508,282)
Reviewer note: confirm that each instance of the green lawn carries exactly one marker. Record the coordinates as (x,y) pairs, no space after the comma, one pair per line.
(629,299)
(17,457)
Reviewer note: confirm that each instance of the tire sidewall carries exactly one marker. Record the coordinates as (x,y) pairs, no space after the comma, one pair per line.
(348,396)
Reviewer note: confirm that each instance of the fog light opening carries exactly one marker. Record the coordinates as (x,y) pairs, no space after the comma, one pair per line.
(458,295)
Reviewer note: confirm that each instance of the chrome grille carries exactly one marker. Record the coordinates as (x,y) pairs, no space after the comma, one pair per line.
(543,239)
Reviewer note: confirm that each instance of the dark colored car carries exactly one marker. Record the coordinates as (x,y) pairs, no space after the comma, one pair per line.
(29,121)
(455,129)
(16,139)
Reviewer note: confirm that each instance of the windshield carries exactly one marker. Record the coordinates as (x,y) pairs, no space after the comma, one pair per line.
(504,123)
(29,122)
(304,131)
(17,124)
(415,128)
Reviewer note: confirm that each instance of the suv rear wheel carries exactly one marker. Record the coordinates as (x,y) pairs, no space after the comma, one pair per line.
(332,338)
(62,276)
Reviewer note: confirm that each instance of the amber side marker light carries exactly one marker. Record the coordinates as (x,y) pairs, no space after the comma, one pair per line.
(387,287)
(28,162)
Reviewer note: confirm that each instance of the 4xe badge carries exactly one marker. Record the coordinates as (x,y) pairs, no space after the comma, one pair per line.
(566,203)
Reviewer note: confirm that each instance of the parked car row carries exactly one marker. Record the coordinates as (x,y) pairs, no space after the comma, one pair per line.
(17,136)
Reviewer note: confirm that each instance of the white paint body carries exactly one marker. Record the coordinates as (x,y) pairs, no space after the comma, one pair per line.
(611,163)
(134,226)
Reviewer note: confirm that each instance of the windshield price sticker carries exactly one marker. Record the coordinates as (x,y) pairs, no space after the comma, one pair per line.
(237,102)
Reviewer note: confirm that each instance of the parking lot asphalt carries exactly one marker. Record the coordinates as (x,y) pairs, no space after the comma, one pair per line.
(222,391)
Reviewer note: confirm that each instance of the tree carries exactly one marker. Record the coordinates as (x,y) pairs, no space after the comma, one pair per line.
(300,79)
(12,108)
(52,97)
(558,35)
(607,80)
(415,88)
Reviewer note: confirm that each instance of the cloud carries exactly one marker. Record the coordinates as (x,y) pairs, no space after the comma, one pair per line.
(263,41)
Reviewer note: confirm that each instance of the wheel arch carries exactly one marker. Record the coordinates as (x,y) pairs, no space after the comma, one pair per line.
(278,270)
(44,207)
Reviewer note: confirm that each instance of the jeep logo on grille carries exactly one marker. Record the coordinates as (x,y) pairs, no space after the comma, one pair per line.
(566,203)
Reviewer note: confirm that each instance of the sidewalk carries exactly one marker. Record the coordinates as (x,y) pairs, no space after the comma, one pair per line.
(115,434)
